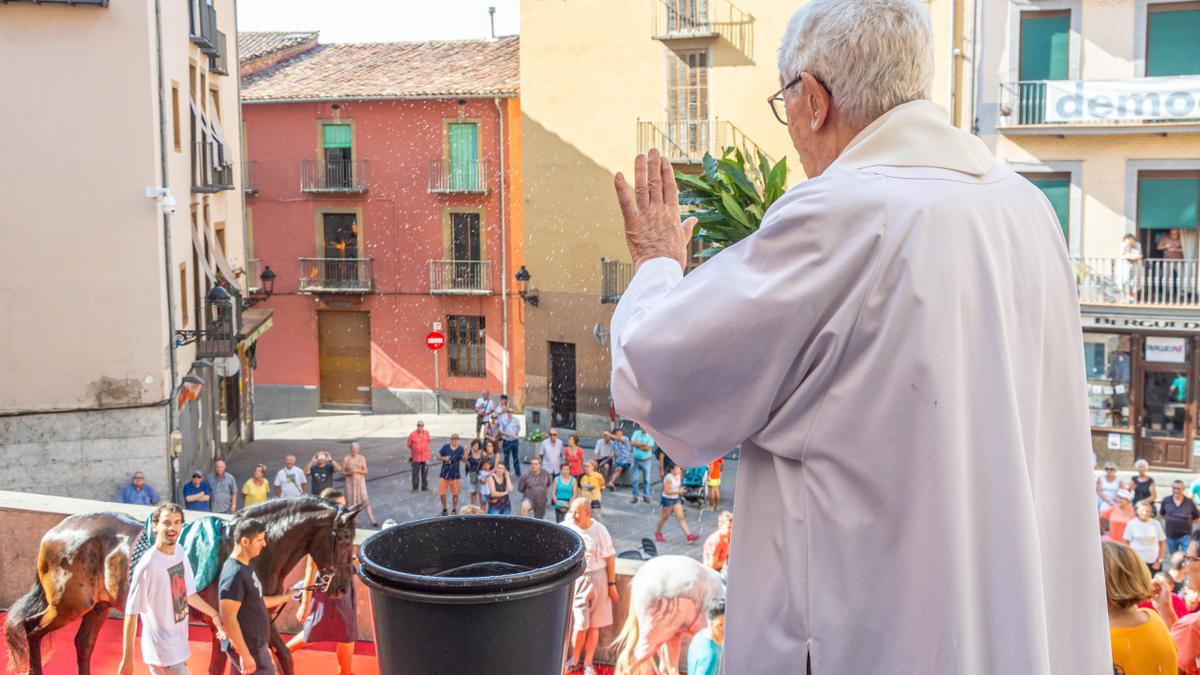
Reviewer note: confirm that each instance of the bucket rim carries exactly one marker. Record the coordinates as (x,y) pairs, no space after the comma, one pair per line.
(433,586)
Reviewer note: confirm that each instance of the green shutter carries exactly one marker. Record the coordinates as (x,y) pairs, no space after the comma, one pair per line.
(1172,46)
(337,136)
(1045,43)
(1058,191)
(1164,203)
(464,156)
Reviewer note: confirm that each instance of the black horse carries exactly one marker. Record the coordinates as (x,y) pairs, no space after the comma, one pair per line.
(83,571)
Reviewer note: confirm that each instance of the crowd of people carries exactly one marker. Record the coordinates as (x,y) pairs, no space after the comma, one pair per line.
(1151,552)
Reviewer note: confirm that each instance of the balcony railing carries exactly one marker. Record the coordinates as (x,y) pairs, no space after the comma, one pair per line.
(219,62)
(204,26)
(448,176)
(460,277)
(250,177)
(686,141)
(614,279)
(335,275)
(690,19)
(333,175)
(1147,102)
(1155,281)
(211,172)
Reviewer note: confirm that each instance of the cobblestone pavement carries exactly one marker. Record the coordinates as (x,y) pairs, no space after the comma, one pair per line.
(382,440)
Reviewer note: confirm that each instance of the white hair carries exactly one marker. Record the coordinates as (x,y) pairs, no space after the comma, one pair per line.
(872,55)
(1141,463)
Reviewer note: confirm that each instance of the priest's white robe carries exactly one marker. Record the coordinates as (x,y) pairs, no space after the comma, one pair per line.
(898,352)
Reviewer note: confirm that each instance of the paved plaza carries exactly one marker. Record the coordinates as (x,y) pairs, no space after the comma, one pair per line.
(382,440)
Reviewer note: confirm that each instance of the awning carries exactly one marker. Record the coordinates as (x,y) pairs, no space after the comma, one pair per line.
(198,244)
(255,322)
(222,263)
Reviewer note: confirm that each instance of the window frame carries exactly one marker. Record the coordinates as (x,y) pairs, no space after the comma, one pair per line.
(473,352)
(1159,8)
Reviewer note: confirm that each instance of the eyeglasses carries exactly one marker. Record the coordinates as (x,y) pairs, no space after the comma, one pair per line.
(777,102)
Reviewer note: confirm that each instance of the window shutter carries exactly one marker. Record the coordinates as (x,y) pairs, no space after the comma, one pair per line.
(337,136)
(464,155)
(1165,203)
(1172,47)
(1045,43)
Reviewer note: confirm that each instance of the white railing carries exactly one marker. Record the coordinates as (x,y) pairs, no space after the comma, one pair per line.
(335,275)
(1095,102)
(458,176)
(1155,281)
(460,277)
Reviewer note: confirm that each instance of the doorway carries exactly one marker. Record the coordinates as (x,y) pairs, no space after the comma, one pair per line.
(562,384)
(344,344)
(1166,412)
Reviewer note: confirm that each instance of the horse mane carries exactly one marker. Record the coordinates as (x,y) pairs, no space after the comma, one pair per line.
(281,515)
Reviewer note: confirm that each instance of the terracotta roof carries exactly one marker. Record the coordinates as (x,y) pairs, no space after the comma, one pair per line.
(392,70)
(254,44)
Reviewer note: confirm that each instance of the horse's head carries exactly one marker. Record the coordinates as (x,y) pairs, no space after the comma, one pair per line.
(333,549)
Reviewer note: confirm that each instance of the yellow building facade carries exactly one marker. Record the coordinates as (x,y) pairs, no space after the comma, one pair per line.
(601,81)
(123,210)
(1098,103)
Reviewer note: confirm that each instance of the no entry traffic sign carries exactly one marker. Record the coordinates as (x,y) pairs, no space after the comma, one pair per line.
(435,340)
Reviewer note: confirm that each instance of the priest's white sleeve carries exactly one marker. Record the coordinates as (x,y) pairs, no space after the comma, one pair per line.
(703,361)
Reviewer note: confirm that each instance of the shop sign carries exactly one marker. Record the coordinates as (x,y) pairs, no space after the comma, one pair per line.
(1143,323)
(1120,442)
(1166,349)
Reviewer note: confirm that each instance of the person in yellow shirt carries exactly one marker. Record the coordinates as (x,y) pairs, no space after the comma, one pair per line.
(592,484)
(1141,641)
(257,488)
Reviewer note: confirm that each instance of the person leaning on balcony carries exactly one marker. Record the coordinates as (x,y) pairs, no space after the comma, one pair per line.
(858,313)
(1170,245)
(1131,260)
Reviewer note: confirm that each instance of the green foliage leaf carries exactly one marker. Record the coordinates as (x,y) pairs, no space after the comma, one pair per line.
(695,183)
(739,179)
(734,209)
(776,182)
(710,168)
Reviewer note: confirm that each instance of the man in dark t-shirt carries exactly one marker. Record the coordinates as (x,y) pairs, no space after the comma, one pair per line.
(449,478)
(320,472)
(1178,514)
(243,607)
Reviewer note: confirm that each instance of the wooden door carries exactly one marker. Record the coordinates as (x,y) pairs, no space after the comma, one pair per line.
(345,349)
(1166,416)
(562,384)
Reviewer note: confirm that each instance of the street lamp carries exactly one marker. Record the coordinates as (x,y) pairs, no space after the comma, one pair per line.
(523,276)
(267,289)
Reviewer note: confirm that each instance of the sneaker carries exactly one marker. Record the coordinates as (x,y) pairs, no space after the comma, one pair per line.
(646,499)
(589,670)
(633,501)
(611,487)
(443,512)
(658,536)
(693,538)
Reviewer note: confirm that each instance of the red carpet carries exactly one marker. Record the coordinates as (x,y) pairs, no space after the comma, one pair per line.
(107,657)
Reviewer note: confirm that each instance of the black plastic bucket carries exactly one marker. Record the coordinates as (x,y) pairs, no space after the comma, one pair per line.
(471,594)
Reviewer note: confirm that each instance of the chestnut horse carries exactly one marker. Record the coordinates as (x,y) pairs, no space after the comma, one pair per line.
(83,571)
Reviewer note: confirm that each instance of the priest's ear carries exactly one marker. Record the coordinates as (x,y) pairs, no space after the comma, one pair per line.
(815,101)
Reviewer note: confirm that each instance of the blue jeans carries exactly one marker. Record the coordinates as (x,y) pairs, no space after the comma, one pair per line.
(512,448)
(641,473)
(1177,544)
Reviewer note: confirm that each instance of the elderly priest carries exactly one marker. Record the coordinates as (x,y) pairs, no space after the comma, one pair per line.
(898,353)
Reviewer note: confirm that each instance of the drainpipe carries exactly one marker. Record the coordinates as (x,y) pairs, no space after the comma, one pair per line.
(166,218)
(955,53)
(503,254)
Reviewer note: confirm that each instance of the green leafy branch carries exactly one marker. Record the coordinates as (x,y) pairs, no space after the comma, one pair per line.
(726,200)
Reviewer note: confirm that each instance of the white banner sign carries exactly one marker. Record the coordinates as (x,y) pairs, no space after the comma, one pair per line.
(1149,98)
(1166,349)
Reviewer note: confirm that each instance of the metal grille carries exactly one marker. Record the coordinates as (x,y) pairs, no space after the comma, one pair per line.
(466,346)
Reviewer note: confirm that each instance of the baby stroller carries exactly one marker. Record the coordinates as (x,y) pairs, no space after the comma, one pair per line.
(695,486)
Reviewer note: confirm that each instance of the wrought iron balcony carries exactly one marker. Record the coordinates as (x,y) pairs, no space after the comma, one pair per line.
(211,171)
(335,275)
(686,141)
(614,279)
(203,26)
(691,19)
(447,176)
(460,277)
(333,175)
(1147,104)
(1155,282)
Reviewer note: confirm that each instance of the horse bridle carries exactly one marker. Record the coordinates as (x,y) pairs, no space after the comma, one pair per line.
(325,573)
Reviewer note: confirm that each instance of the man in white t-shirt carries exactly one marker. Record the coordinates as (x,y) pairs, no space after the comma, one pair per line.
(484,407)
(161,590)
(1146,536)
(596,591)
(551,452)
(290,480)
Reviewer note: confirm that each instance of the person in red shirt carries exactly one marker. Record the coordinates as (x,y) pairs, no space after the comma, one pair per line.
(714,483)
(418,457)
(1114,518)
(573,457)
(716,547)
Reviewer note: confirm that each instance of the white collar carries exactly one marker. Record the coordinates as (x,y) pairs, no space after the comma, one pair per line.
(915,134)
